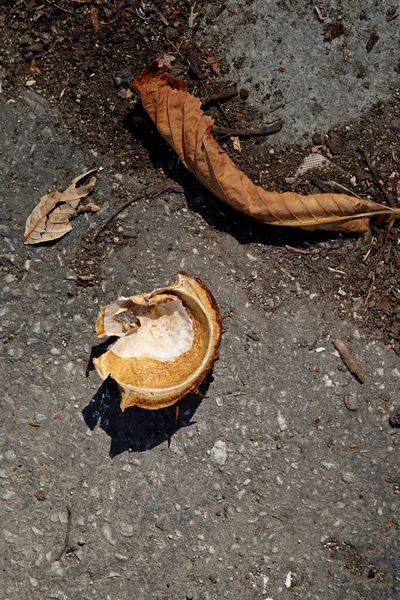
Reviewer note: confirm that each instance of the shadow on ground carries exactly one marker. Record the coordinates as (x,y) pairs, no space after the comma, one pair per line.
(137,429)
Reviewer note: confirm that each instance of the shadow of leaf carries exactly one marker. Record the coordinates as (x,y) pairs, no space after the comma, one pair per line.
(219,215)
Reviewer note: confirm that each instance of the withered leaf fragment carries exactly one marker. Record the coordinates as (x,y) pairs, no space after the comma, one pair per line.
(168,342)
(180,120)
(50,219)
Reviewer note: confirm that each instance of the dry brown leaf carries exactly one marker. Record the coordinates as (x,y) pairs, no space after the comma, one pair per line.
(180,120)
(398,190)
(213,62)
(50,219)
(236,143)
(90,207)
(94,17)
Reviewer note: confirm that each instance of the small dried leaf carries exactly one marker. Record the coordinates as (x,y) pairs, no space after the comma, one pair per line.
(50,219)
(383,304)
(236,143)
(213,62)
(180,120)
(94,17)
(165,60)
(192,17)
(90,207)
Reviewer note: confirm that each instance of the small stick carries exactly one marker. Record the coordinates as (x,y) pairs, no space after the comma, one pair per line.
(153,192)
(223,113)
(376,178)
(349,360)
(299,250)
(68,531)
(265,130)
(378,260)
(321,185)
(60,7)
(226,94)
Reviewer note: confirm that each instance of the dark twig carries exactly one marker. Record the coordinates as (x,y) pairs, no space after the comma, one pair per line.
(221,96)
(60,7)
(378,260)
(153,192)
(223,113)
(377,178)
(265,130)
(317,181)
(67,533)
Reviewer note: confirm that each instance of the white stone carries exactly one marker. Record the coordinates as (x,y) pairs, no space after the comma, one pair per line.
(219,453)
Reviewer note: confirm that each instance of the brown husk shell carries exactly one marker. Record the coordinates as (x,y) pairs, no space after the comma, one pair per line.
(153,384)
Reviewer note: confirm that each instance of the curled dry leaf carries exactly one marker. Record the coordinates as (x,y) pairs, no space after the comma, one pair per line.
(50,219)
(180,120)
(168,342)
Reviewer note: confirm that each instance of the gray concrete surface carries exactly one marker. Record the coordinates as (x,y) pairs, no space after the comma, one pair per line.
(274,475)
(318,88)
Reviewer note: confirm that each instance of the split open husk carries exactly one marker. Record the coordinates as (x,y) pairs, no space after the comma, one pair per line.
(168,342)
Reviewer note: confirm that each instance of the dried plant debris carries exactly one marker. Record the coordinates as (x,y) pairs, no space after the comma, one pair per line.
(51,218)
(168,342)
(349,360)
(180,120)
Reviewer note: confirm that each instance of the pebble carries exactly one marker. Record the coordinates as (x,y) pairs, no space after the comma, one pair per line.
(348,477)
(108,535)
(126,530)
(350,402)
(281,421)
(8,495)
(39,418)
(327,465)
(40,495)
(219,453)
(394,418)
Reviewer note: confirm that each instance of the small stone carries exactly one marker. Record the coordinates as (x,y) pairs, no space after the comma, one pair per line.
(350,402)
(126,530)
(213,578)
(40,495)
(219,453)
(108,535)
(394,418)
(327,465)
(348,477)
(113,575)
(8,495)
(281,421)
(39,418)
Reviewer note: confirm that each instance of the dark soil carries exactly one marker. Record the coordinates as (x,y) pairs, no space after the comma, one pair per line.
(81,56)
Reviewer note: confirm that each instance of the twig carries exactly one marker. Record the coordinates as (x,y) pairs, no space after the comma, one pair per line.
(67,533)
(299,250)
(60,7)
(371,169)
(378,260)
(349,360)
(153,192)
(223,113)
(226,94)
(321,184)
(265,130)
